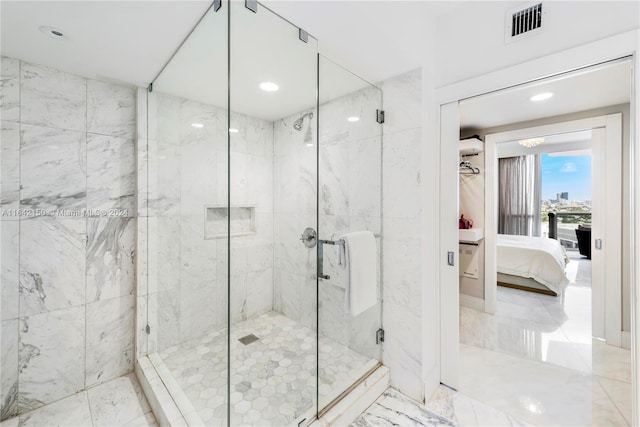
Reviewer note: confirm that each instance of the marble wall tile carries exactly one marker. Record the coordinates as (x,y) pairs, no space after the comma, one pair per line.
(110,258)
(141,256)
(164,253)
(9,377)
(213,120)
(111,179)
(197,255)
(9,288)
(9,88)
(118,402)
(51,357)
(403,101)
(402,349)
(110,343)
(259,292)
(198,307)
(164,178)
(401,171)
(141,323)
(10,146)
(334,179)
(365,177)
(402,272)
(71,411)
(52,98)
(52,264)
(111,109)
(142,97)
(199,177)
(52,169)
(167,310)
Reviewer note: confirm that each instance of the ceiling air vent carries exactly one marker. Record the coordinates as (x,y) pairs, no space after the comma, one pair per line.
(522,21)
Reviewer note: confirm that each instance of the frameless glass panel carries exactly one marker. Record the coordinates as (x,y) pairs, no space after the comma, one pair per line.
(350,176)
(187,222)
(273,199)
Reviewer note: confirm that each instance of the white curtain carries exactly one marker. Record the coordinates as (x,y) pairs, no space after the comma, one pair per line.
(519,183)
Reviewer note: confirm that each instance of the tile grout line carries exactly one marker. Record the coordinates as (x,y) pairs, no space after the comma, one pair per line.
(615,405)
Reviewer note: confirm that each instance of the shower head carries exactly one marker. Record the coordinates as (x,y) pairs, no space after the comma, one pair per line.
(297,125)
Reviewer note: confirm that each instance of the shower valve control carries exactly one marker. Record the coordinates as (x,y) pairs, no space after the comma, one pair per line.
(309,237)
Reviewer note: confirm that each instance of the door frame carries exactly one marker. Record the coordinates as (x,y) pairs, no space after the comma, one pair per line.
(589,54)
(607,306)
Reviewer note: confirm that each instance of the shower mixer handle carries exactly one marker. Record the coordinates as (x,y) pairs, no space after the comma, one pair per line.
(309,237)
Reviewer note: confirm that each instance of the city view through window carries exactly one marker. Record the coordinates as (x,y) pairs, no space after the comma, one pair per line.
(566,190)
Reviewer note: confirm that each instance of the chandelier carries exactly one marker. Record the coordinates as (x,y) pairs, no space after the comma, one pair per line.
(531,142)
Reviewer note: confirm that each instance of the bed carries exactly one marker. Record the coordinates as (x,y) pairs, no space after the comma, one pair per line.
(531,263)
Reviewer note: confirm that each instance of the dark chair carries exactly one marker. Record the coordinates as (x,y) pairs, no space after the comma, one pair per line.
(583,234)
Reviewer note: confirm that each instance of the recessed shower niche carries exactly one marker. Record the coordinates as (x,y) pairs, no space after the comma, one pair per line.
(230,174)
(235,221)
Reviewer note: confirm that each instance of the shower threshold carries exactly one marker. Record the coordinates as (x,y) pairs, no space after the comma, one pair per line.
(273,375)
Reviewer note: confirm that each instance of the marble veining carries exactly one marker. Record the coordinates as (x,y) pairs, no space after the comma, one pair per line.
(10,89)
(395,409)
(52,264)
(110,258)
(52,98)
(52,169)
(111,174)
(47,340)
(9,377)
(10,146)
(119,402)
(273,379)
(9,288)
(110,346)
(111,109)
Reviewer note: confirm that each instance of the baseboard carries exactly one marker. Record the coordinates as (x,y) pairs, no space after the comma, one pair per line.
(626,340)
(472,302)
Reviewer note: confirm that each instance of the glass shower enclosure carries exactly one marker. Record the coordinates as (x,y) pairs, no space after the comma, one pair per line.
(257,150)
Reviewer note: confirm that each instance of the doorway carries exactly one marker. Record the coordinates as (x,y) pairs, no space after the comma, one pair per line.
(454,377)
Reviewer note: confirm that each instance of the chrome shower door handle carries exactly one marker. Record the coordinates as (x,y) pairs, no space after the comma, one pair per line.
(321,274)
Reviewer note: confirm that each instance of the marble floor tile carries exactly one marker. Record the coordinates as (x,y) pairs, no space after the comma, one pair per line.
(117,402)
(395,409)
(465,411)
(274,378)
(536,392)
(71,411)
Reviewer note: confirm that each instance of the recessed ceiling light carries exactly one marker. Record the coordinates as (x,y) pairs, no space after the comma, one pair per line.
(269,86)
(197,125)
(541,96)
(531,142)
(309,144)
(52,32)
(353,119)
(233,130)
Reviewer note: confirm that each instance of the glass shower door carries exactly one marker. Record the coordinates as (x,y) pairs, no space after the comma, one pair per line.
(273,198)
(350,195)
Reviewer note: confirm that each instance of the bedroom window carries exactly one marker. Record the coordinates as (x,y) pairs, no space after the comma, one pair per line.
(566,191)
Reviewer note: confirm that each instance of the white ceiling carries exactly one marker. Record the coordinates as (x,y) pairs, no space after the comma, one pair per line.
(126,41)
(586,89)
(130,41)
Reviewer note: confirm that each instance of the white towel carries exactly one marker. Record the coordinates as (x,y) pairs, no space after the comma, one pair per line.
(359,258)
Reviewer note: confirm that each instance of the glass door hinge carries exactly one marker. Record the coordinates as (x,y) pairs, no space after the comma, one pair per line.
(379,336)
(147,329)
(380,116)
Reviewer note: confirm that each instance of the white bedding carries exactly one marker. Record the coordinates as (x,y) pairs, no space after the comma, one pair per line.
(538,258)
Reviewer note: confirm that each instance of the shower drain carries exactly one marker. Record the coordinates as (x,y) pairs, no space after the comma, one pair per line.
(248,339)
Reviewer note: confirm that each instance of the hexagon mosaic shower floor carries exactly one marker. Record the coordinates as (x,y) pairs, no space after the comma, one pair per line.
(272,378)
